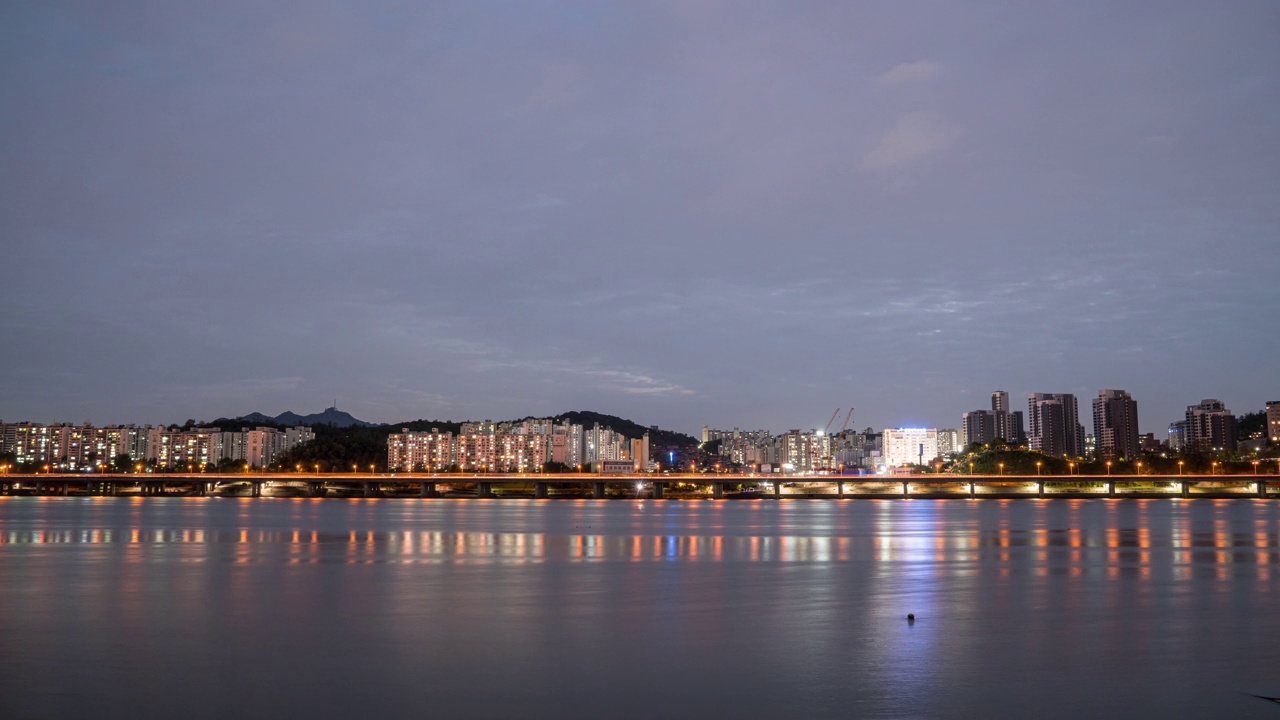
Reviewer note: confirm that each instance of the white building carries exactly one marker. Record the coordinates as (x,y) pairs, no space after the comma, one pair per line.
(909,446)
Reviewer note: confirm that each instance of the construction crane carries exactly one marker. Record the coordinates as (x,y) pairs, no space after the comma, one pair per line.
(848,415)
(827,429)
(827,460)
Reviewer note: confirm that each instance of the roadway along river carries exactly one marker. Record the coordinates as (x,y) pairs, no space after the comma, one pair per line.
(219,608)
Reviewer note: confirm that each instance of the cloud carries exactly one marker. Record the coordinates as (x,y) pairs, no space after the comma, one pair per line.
(909,73)
(914,136)
(594,373)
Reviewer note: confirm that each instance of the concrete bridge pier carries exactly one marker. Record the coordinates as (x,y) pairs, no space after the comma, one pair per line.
(427,490)
(839,488)
(256,486)
(485,490)
(972,492)
(316,489)
(717,490)
(657,491)
(1111,488)
(906,488)
(1186,488)
(372,489)
(540,490)
(777,489)
(597,491)
(1040,488)
(1262,488)
(201,488)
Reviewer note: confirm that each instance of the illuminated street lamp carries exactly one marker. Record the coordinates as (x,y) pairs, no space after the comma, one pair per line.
(1213,468)
(1139,467)
(1002,469)
(1071,468)
(370,468)
(1108,467)
(1179,467)
(1255,467)
(1037,468)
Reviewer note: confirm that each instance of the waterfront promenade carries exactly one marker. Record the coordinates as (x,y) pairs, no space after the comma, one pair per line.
(633,486)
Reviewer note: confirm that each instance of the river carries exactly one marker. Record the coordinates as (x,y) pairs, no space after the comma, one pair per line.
(226,607)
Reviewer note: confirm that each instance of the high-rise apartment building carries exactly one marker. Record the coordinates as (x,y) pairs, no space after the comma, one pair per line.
(429,451)
(1273,421)
(1000,401)
(1210,426)
(949,442)
(984,426)
(1115,425)
(1055,427)
(978,426)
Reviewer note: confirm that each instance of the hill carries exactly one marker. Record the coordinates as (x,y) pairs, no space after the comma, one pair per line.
(366,444)
(331,416)
(631,430)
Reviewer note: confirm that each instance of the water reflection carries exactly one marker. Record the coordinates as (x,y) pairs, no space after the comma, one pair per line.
(692,598)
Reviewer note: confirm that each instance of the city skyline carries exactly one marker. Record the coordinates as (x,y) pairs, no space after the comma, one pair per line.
(666,212)
(1001,421)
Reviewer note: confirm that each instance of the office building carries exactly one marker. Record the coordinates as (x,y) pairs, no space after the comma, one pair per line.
(910,446)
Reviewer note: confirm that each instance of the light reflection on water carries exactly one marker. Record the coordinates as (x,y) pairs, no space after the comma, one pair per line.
(639,609)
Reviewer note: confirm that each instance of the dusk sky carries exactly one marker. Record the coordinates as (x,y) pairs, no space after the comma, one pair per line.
(677,212)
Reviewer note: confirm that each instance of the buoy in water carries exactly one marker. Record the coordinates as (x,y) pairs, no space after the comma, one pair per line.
(911,617)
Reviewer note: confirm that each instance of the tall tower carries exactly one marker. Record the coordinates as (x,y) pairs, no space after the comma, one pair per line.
(1115,425)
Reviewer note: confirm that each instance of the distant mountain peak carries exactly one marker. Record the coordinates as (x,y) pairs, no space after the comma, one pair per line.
(331,416)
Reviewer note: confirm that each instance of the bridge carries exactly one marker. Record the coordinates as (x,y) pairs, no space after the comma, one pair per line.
(655,486)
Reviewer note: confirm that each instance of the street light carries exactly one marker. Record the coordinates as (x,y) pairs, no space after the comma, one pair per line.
(1108,467)
(1071,468)
(1139,467)
(1002,469)
(1255,467)
(1213,468)
(1037,468)
(1179,467)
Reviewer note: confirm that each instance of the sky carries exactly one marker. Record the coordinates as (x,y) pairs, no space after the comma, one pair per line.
(682,213)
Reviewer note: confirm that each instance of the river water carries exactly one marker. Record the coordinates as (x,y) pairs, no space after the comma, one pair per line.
(221,608)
